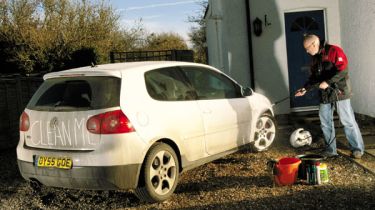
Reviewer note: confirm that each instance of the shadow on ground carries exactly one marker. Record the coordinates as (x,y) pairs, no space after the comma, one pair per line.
(344,198)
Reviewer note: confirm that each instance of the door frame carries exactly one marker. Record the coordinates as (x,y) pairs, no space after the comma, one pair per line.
(325,22)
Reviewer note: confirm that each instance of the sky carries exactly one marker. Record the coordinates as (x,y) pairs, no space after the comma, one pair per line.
(159,15)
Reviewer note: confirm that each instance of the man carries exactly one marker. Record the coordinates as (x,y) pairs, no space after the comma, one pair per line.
(329,73)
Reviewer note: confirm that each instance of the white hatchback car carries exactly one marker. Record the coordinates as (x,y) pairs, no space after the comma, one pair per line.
(137,125)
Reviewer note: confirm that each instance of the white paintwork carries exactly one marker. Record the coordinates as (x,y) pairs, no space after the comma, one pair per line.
(220,126)
(199,128)
(103,155)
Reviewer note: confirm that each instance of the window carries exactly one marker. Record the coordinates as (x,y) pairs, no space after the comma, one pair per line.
(304,24)
(211,85)
(169,84)
(70,94)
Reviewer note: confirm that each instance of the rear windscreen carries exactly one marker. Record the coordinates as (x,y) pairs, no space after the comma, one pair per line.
(78,93)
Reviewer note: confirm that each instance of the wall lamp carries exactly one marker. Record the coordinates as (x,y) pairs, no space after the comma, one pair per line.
(257,25)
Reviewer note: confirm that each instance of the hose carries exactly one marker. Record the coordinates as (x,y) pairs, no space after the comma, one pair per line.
(277,102)
(331,140)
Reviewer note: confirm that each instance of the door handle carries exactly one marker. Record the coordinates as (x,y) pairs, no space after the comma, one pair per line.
(206,111)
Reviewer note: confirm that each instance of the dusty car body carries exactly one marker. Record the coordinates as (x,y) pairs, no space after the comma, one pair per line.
(137,125)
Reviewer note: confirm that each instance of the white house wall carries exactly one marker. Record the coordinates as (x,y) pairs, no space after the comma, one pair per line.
(269,50)
(214,34)
(227,39)
(349,23)
(357,35)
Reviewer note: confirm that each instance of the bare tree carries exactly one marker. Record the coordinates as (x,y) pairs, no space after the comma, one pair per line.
(51,35)
(165,41)
(42,35)
(197,34)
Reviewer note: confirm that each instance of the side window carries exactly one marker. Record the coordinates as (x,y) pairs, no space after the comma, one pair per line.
(169,84)
(212,85)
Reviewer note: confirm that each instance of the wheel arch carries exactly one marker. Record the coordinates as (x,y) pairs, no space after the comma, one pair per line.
(170,143)
(175,148)
(259,113)
(268,111)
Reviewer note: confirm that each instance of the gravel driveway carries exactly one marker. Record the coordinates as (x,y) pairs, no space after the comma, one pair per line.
(238,181)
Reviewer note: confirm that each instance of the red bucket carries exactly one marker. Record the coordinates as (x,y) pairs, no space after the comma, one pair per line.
(287,171)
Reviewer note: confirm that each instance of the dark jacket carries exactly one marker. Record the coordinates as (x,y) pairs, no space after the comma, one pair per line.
(330,65)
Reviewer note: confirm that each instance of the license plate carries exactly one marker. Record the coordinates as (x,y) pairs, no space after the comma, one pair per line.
(54,162)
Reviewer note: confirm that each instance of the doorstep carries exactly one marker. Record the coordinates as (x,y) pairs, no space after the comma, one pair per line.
(371,152)
(367,161)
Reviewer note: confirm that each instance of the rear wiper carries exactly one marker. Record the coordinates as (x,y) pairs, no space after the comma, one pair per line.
(57,104)
(67,108)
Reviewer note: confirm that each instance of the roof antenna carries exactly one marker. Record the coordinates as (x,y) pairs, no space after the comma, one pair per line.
(93,65)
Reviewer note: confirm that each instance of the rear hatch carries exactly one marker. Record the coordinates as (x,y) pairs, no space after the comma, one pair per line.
(59,110)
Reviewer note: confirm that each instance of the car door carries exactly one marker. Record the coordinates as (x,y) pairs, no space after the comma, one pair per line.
(226,113)
(176,114)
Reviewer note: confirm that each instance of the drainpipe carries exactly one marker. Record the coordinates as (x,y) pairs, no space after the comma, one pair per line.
(216,16)
(217,19)
(252,81)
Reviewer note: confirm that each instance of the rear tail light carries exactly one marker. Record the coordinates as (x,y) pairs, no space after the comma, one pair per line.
(109,123)
(24,122)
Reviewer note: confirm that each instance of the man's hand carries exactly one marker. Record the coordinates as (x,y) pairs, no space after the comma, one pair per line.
(300,92)
(324,85)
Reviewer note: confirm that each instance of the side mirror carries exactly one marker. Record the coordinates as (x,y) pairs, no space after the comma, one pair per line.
(247,91)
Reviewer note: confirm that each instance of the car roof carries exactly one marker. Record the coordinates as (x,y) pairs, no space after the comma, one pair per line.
(115,69)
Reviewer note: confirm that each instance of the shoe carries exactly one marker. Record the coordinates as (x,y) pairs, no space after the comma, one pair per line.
(327,154)
(357,154)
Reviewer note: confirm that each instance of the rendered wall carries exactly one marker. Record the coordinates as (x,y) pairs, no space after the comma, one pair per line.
(227,39)
(349,23)
(357,35)
(270,54)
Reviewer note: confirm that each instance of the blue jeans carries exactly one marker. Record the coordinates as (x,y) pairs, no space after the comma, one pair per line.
(346,115)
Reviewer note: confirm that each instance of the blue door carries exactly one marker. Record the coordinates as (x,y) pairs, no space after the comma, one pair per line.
(296,25)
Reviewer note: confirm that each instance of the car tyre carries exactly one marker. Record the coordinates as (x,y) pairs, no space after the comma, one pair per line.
(265,132)
(159,175)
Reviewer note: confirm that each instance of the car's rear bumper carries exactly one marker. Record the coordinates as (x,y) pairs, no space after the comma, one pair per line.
(90,177)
